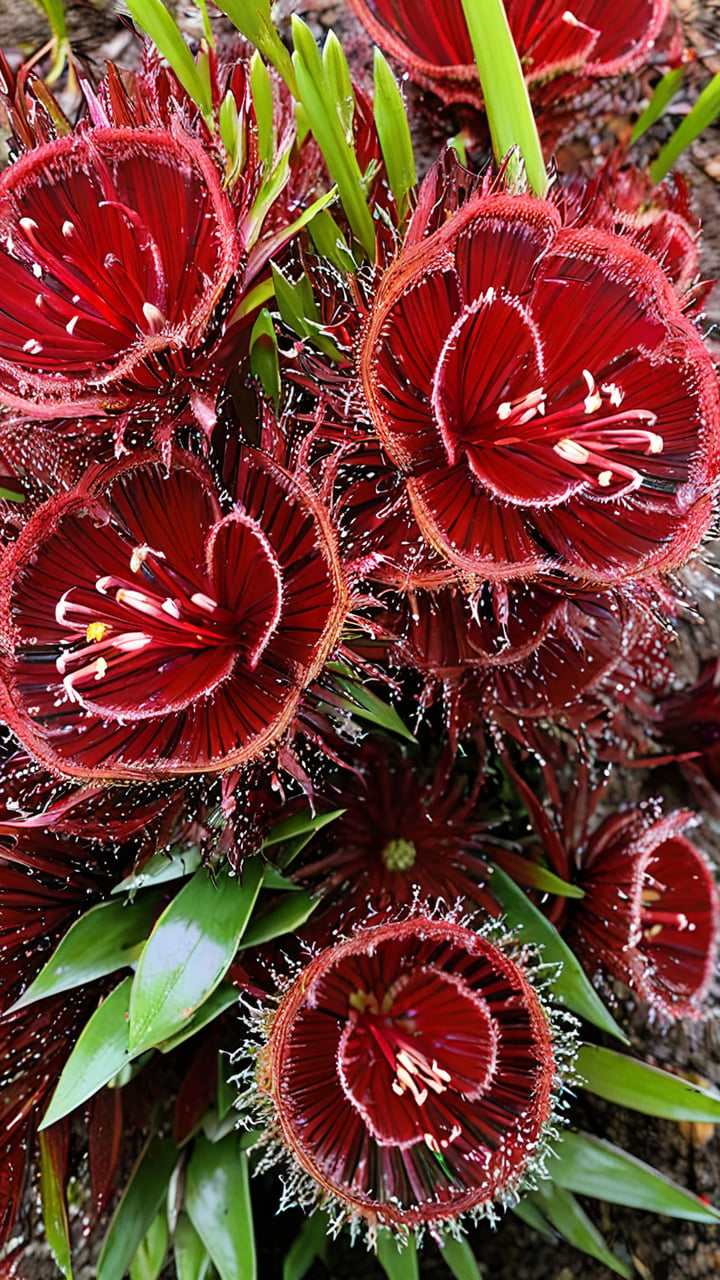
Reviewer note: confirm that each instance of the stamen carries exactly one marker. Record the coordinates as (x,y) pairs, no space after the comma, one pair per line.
(571,451)
(95,631)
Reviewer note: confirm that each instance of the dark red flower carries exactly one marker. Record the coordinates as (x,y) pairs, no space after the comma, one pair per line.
(651,911)
(410,1072)
(118,249)
(152,628)
(544,398)
(595,37)
(405,832)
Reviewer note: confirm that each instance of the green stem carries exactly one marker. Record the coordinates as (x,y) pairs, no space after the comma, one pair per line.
(507,101)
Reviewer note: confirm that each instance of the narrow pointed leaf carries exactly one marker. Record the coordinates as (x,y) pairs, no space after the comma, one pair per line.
(101,941)
(399,1262)
(189,952)
(309,1244)
(252,18)
(528,1212)
(339,82)
(287,915)
(140,1202)
(569,1218)
(54,1206)
(631,1083)
(150,1254)
(192,1260)
(460,1259)
(590,1166)
(698,118)
(571,986)
(160,25)
(217,1200)
(664,92)
(264,360)
(330,242)
(299,825)
(160,869)
(262,97)
(364,704)
(394,133)
(100,1053)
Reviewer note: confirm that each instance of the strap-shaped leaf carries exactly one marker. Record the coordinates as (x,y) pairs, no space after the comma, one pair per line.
(285,916)
(570,1219)
(161,869)
(654,1092)
(591,1166)
(664,92)
(150,1253)
(460,1259)
(394,133)
(310,1243)
(362,703)
(398,1260)
(698,118)
(103,940)
(252,18)
(217,1200)
(140,1203)
(53,1157)
(571,985)
(264,360)
(189,952)
(160,25)
(192,1260)
(300,824)
(100,1053)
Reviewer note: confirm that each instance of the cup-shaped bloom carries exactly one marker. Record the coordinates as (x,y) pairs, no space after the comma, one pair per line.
(595,37)
(118,249)
(651,912)
(544,397)
(410,1071)
(153,629)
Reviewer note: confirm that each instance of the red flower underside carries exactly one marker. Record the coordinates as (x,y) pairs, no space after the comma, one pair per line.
(535,402)
(443,1077)
(116,247)
(153,635)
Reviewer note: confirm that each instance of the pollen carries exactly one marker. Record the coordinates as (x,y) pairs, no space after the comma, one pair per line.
(570,451)
(399,855)
(95,631)
(100,666)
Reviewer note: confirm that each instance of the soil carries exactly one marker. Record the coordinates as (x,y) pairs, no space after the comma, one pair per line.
(659,1248)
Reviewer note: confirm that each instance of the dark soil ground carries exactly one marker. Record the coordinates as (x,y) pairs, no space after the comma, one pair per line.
(660,1248)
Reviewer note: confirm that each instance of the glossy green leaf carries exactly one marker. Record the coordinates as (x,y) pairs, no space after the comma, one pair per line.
(161,869)
(310,1243)
(590,1166)
(665,91)
(285,916)
(160,25)
(106,938)
(460,1259)
(337,74)
(299,825)
(189,952)
(635,1084)
(55,13)
(11,495)
(262,97)
(274,879)
(529,1213)
(570,1219)
(252,18)
(394,134)
(398,1261)
(217,1200)
(698,118)
(317,96)
(365,705)
(264,360)
(222,998)
(54,1206)
(150,1254)
(572,987)
(232,134)
(507,101)
(330,242)
(100,1053)
(192,1260)
(141,1201)
(532,876)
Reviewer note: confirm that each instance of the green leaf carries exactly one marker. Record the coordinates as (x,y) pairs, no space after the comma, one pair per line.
(569,1218)
(54,11)
(337,74)
(103,940)
(460,1259)
(331,243)
(590,1166)
(285,916)
(264,360)
(318,98)
(189,952)
(11,495)
(507,101)
(100,1053)
(635,1084)
(665,91)
(54,1207)
(529,1213)
(394,134)
(192,1259)
(309,1244)
(159,24)
(698,118)
(160,869)
(150,1255)
(532,876)
(222,998)
(365,705)
(232,134)
(262,97)
(217,1200)
(399,1262)
(299,825)
(252,18)
(571,986)
(141,1201)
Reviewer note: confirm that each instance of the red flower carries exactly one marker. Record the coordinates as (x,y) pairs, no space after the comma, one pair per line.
(403,833)
(651,912)
(118,249)
(596,37)
(543,413)
(410,1071)
(152,630)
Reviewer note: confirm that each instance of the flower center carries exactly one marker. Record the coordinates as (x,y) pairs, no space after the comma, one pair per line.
(399,855)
